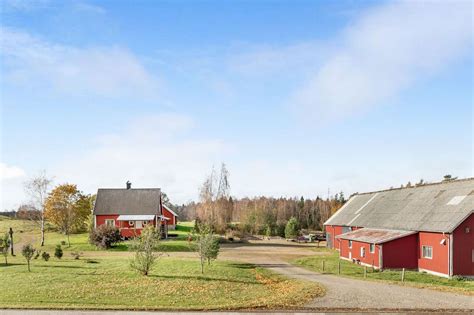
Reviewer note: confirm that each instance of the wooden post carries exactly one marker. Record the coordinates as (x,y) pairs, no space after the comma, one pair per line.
(365,271)
(11,241)
(323,265)
(403,274)
(339,267)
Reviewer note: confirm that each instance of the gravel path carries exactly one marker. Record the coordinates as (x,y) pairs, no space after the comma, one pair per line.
(345,293)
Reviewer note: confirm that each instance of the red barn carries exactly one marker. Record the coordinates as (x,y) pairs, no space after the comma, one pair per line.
(428,227)
(130,210)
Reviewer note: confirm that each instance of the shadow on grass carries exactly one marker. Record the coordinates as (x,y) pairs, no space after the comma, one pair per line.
(61,266)
(203,278)
(289,245)
(242,266)
(11,265)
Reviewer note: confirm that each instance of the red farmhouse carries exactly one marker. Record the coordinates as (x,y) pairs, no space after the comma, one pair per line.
(428,227)
(131,210)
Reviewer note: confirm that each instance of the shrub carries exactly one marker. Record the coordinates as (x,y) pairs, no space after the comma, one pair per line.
(5,246)
(28,251)
(45,256)
(63,243)
(207,245)
(58,252)
(37,254)
(105,236)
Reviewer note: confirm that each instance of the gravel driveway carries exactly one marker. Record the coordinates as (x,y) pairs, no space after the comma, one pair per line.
(345,293)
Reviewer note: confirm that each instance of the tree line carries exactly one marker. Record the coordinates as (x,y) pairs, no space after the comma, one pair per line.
(258,215)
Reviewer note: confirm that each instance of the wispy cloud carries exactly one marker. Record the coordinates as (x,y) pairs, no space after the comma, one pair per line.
(385,51)
(10,172)
(102,71)
(152,151)
(89,8)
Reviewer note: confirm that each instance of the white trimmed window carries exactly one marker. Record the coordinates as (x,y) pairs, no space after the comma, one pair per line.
(427,252)
(372,248)
(362,252)
(350,244)
(110,222)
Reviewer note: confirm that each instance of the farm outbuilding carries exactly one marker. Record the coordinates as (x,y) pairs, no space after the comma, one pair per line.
(428,227)
(130,210)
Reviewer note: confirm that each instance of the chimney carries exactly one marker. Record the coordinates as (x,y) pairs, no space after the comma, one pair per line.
(129,185)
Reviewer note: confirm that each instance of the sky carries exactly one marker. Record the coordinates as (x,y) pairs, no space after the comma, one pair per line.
(298,98)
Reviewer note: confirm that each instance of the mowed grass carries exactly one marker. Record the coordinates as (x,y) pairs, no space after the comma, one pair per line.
(412,278)
(28,232)
(107,282)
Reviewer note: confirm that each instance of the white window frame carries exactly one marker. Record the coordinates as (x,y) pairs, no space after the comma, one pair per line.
(372,248)
(423,247)
(350,244)
(362,252)
(107,222)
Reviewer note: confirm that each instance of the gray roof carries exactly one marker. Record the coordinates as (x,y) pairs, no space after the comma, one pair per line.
(439,207)
(374,236)
(128,201)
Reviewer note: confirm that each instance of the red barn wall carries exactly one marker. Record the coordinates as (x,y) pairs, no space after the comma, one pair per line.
(125,229)
(401,253)
(463,248)
(371,259)
(334,230)
(439,262)
(168,214)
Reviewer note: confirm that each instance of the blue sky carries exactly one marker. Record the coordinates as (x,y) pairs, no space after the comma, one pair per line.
(296,97)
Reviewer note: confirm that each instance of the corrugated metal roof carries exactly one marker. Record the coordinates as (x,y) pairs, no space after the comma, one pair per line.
(128,201)
(374,236)
(423,208)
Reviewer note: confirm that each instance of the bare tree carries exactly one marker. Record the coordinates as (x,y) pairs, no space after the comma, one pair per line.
(37,188)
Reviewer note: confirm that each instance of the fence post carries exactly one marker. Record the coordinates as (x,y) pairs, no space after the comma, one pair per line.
(339,267)
(365,271)
(323,265)
(403,274)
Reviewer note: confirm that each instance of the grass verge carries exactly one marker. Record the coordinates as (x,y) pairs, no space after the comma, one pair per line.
(412,278)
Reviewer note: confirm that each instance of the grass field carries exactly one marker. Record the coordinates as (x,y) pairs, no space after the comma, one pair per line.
(107,282)
(413,278)
(27,231)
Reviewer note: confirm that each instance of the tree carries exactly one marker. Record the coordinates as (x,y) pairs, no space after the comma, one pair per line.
(68,209)
(207,246)
(216,206)
(291,229)
(37,188)
(5,246)
(145,247)
(28,251)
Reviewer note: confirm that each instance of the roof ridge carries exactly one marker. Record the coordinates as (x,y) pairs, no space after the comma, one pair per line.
(415,186)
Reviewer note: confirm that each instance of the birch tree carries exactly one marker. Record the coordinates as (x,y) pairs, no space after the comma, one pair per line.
(38,188)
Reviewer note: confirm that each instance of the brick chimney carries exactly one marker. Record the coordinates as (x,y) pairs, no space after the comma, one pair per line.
(129,185)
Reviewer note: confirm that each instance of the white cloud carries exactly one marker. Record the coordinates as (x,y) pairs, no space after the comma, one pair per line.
(157,151)
(10,172)
(89,8)
(103,71)
(386,50)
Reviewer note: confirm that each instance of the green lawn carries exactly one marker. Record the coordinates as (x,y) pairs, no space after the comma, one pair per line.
(107,282)
(27,231)
(413,278)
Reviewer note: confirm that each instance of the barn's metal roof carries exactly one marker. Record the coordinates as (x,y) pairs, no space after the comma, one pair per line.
(128,201)
(374,236)
(439,207)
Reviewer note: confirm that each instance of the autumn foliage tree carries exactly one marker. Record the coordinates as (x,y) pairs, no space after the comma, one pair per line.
(68,209)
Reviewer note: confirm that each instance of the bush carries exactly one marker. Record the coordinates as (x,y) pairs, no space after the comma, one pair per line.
(45,256)
(145,246)
(58,252)
(105,236)
(37,254)
(63,243)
